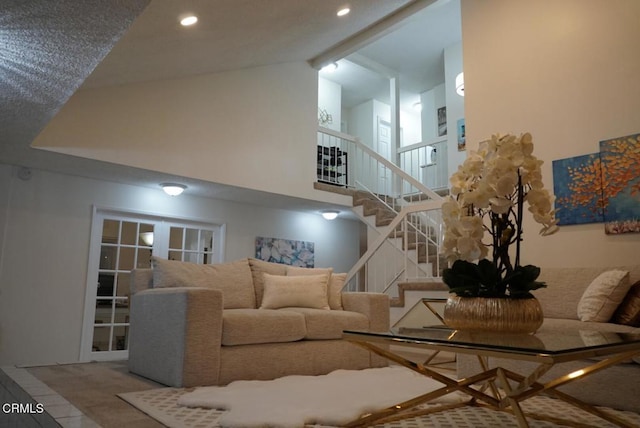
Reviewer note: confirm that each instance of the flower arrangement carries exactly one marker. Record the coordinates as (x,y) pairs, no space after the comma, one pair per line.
(488,193)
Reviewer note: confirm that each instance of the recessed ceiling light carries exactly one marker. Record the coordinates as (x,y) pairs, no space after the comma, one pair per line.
(344,11)
(188,20)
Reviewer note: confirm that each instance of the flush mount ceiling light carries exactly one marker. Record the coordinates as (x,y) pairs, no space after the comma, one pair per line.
(330,214)
(460,84)
(189,20)
(329,68)
(173,189)
(343,11)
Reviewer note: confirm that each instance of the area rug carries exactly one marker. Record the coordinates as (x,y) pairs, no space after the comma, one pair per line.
(297,401)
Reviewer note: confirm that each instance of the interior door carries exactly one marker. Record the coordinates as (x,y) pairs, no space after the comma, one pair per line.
(383,147)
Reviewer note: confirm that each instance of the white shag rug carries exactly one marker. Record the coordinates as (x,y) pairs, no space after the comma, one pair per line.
(353,391)
(329,400)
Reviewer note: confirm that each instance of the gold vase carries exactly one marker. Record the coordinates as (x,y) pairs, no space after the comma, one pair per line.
(493,314)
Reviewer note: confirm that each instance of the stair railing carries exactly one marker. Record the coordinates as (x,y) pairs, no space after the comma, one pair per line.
(400,253)
(344,160)
(408,248)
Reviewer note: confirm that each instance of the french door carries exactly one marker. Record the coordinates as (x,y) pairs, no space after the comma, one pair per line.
(121,242)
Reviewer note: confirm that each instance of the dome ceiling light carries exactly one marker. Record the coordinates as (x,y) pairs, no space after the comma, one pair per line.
(173,189)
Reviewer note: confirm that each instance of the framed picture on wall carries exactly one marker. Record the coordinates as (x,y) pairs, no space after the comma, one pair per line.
(442,121)
(285,251)
(462,135)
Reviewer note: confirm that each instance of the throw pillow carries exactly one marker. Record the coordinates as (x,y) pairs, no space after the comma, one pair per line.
(628,313)
(258,269)
(603,295)
(233,278)
(335,290)
(306,291)
(334,284)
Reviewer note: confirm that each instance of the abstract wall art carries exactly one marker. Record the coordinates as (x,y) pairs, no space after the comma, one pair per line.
(601,187)
(577,185)
(285,251)
(620,159)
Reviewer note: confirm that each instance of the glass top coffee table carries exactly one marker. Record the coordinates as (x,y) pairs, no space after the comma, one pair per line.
(498,388)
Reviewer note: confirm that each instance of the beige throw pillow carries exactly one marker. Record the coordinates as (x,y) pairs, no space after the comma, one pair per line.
(335,290)
(258,269)
(335,281)
(233,278)
(602,297)
(306,291)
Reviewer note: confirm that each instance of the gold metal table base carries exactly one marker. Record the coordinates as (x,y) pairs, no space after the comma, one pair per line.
(515,389)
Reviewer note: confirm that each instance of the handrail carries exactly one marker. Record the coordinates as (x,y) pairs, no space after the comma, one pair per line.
(414,146)
(382,238)
(386,162)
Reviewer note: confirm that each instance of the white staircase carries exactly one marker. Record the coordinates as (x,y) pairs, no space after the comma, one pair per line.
(404,224)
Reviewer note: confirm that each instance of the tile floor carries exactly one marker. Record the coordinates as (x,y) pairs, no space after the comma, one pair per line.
(17,385)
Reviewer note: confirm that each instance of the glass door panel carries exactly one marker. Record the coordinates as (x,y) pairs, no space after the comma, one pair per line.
(121,243)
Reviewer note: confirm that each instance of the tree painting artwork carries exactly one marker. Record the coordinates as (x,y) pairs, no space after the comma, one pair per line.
(620,159)
(285,251)
(577,185)
(601,187)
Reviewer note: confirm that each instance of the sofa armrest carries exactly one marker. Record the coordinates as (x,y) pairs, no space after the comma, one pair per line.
(175,335)
(374,306)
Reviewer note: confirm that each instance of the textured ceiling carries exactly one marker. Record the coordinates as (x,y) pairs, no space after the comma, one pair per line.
(48,49)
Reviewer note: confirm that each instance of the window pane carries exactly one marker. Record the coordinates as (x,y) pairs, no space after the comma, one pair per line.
(191,240)
(207,240)
(122,312)
(144,258)
(129,233)
(108,257)
(105,284)
(192,257)
(122,286)
(104,311)
(119,341)
(101,338)
(175,255)
(175,238)
(126,259)
(110,230)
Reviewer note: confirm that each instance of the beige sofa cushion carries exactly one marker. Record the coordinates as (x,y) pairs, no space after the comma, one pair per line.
(252,326)
(308,291)
(602,297)
(566,285)
(233,279)
(329,324)
(258,269)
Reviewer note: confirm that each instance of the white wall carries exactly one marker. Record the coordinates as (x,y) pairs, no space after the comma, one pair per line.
(252,128)
(455,105)
(46,244)
(431,100)
(330,99)
(568,73)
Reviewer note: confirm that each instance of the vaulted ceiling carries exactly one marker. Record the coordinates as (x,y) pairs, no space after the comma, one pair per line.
(50,49)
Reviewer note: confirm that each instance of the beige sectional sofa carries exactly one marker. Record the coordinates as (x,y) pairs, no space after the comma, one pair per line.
(196,324)
(618,386)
